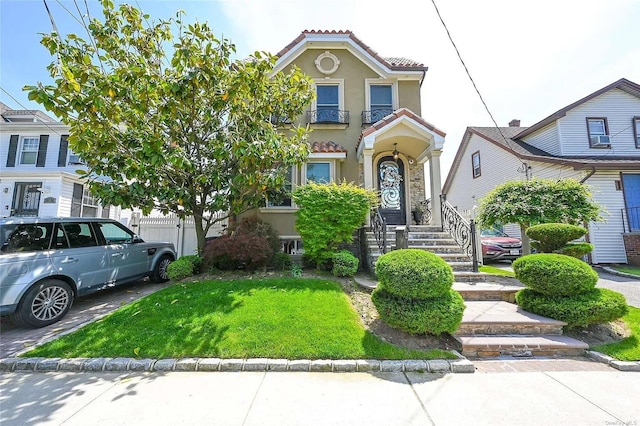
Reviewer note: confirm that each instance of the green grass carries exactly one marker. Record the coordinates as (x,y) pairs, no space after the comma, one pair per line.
(496,271)
(627,349)
(633,270)
(272,318)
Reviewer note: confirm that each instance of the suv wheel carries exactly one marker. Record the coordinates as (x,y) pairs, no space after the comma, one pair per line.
(45,303)
(159,274)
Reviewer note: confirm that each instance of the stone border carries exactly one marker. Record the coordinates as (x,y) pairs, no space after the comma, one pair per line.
(460,365)
(614,363)
(618,273)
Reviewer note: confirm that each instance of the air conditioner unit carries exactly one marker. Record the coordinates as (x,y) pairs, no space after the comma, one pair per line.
(75,159)
(602,140)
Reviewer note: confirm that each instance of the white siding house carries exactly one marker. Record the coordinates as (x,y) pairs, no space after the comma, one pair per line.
(38,169)
(595,140)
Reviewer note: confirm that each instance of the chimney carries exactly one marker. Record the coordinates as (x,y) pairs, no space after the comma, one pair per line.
(514,123)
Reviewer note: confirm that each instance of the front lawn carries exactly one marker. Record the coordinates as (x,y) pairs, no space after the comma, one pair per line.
(496,271)
(627,349)
(633,270)
(290,318)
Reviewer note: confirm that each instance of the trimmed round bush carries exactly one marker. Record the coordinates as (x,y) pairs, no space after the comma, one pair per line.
(576,250)
(345,264)
(414,274)
(550,237)
(555,274)
(180,269)
(420,316)
(596,306)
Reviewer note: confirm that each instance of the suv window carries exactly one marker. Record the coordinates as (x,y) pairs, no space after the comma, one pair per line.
(26,237)
(79,235)
(113,234)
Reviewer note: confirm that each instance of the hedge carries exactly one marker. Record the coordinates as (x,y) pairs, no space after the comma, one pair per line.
(555,274)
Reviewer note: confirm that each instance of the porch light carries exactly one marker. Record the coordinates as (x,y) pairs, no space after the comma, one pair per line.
(395,151)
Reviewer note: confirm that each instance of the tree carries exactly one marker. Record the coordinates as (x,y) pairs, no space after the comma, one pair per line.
(173,123)
(531,202)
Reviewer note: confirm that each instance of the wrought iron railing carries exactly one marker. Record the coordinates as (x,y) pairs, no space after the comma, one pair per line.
(631,219)
(328,116)
(461,230)
(373,116)
(424,207)
(277,120)
(379,229)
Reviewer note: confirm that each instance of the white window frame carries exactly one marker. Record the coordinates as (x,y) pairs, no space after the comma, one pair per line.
(590,134)
(368,82)
(26,139)
(294,183)
(89,201)
(330,82)
(636,131)
(332,168)
(473,165)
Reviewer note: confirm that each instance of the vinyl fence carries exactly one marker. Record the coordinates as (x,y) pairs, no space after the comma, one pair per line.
(182,233)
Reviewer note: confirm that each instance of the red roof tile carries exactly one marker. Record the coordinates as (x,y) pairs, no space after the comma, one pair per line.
(326,146)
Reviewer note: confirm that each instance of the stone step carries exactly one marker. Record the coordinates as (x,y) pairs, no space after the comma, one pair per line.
(498,317)
(521,346)
(487,291)
(432,241)
(471,277)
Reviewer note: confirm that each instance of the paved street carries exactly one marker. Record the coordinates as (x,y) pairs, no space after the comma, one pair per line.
(630,287)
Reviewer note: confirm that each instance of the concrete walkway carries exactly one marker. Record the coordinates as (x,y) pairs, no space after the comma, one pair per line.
(527,398)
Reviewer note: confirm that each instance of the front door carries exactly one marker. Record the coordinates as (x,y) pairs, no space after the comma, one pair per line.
(26,199)
(391,187)
(631,184)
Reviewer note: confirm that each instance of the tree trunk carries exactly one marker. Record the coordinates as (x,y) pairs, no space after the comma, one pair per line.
(526,241)
(200,233)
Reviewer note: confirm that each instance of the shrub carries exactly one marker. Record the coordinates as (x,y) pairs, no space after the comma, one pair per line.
(281,261)
(232,252)
(345,264)
(555,274)
(577,250)
(438,315)
(413,273)
(195,260)
(550,237)
(258,228)
(596,306)
(180,269)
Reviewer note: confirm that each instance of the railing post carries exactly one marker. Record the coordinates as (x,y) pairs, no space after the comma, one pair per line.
(443,199)
(402,241)
(384,235)
(474,246)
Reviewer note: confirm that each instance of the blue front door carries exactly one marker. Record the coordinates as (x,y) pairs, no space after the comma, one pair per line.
(631,185)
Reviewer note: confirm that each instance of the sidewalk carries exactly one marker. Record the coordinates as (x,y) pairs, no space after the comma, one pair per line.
(282,398)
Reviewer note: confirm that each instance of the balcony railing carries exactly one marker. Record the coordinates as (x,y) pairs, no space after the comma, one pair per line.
(328,116)
(280,121)
(373,116)
(631,219)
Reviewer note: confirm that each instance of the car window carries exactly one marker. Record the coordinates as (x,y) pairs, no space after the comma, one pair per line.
(26,237)
(113,234)
(492,233)
(60,239)
(79,235)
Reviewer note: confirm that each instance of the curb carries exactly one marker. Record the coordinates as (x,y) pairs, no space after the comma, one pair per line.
(614,363)
(461,365)
(618,273)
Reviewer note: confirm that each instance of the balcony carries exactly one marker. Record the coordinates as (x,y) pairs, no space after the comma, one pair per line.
(280,121)
(373,116)
(328,116)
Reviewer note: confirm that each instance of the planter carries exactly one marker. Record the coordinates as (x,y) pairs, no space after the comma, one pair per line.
(418,216)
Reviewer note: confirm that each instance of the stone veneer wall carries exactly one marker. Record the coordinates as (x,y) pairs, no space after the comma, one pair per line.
(632,247)
(416,183)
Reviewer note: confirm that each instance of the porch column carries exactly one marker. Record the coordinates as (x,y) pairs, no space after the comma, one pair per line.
(436,187)
(367,156)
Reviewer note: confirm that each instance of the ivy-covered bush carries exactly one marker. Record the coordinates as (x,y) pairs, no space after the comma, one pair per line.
(345,264)
(414,273)
(180,269)
(555,274)
(595,306)
(230,252)
(550,237)
(328,215)
(421,316)
(414,293)
(195,260)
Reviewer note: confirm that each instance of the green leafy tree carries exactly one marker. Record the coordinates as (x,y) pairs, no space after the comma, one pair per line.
(173,122)
(531,202)
(329,214)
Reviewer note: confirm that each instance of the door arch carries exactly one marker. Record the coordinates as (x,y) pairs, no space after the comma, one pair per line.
(390,173)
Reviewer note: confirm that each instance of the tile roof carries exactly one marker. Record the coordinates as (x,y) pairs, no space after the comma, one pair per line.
(394,63)
(326,146)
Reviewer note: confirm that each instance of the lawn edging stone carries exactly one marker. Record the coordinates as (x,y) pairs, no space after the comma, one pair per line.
(614,363)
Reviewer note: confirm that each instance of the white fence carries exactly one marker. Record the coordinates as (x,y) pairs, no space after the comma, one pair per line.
(182,233)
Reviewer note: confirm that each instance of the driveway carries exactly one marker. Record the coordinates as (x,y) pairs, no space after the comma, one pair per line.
(15,339)
(630,287)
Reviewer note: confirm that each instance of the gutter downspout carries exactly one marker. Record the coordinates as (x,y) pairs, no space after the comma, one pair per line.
(591,173)
(586,225)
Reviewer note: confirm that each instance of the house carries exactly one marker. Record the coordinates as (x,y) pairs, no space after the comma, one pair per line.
(366,127)
(38,169)
(595,140)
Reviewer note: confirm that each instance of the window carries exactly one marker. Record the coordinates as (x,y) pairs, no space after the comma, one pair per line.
(318,172)
(598,133)
(284,200)
(636,130)
(83,203)
(328,103)
(79,235)
(475,164)
(29,153)
(113,234)
(381,101)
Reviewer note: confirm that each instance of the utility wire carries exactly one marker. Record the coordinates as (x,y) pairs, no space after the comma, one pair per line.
(474,83)
(27,109)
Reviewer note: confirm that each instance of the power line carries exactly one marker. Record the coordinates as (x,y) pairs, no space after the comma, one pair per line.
(27,109)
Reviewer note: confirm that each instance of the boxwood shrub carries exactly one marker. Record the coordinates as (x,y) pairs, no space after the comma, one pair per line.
(550,237)
(555,274)
(596,306)
(180,269)
(195,260)
(345,264)
(435,316)
(414,273)
(576,250)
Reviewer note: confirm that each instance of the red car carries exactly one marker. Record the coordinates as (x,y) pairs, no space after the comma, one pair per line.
(496,245)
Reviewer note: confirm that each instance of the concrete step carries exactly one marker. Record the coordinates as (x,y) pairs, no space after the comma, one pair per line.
(499,318)
(476,291)
(520,346)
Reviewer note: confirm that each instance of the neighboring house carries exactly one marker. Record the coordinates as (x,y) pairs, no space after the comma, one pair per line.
(38,169)
(595,140)
(366,127)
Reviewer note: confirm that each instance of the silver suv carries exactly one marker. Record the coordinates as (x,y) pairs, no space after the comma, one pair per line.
(46,262)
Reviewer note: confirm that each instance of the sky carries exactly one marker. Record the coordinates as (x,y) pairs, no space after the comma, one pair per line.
(527,58)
